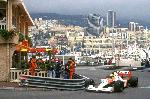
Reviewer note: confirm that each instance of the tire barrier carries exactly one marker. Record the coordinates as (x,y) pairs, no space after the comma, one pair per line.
(78,83)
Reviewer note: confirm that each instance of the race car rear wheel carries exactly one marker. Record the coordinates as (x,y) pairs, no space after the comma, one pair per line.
(118,86)
(133,81)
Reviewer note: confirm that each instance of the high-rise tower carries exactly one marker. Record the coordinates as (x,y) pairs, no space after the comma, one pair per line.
(95,24)
(135,26)
(111,18)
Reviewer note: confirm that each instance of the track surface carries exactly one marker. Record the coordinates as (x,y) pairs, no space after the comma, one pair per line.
(141,92)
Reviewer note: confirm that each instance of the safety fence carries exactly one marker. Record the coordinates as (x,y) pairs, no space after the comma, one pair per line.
(15,74)
(52,83)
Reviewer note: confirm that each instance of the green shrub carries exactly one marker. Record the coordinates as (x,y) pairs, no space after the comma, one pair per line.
(7,34)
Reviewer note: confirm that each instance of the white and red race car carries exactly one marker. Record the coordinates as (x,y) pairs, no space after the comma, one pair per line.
(128,78)
(115,82)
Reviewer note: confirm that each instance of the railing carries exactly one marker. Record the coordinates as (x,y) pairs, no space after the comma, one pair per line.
(15,74)
(3,23)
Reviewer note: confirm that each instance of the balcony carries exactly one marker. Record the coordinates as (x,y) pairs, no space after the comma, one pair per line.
(3,26)
(3,23)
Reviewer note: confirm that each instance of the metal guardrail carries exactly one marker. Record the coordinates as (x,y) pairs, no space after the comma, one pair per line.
(42,80)
(52,83)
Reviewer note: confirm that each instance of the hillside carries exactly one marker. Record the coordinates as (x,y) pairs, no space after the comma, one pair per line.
(80,20)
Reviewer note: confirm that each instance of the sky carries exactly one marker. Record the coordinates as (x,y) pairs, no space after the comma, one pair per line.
(133,9)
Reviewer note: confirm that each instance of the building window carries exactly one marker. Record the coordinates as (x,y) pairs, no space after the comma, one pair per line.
(100,41)
(2,10)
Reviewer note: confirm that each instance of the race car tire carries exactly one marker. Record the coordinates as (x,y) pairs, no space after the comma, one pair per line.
(133,81)
(89,82)
(118,86)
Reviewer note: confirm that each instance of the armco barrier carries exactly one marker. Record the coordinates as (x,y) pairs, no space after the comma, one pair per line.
(52,83)
(15,76)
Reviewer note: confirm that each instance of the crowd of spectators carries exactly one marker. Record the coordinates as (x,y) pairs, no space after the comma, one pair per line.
(54,67)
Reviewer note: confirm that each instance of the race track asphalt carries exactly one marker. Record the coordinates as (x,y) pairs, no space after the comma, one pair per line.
(141,92)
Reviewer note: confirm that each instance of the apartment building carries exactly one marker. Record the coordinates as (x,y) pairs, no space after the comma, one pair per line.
(13,16)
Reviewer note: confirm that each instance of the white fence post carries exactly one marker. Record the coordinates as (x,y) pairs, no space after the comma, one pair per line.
(2,25)
(15,74)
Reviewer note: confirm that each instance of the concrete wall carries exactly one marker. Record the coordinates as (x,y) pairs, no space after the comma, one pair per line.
(7,49)
(17,15)
(5,60)
(3,67)
(128,62)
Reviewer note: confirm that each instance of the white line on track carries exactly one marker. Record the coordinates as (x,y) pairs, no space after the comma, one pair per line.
(89,68)
(145,87)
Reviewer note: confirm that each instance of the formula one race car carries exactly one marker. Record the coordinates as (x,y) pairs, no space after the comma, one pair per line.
(127,78)
(115,82)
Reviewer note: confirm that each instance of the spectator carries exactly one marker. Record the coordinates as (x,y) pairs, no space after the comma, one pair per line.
(58,69)
(66,71)
(105,62)
(147,63)
(72,67)
(50,68)
(53,64)
(33,66)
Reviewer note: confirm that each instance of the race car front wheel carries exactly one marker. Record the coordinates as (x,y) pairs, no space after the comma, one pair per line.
(118,86)
(133,81)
